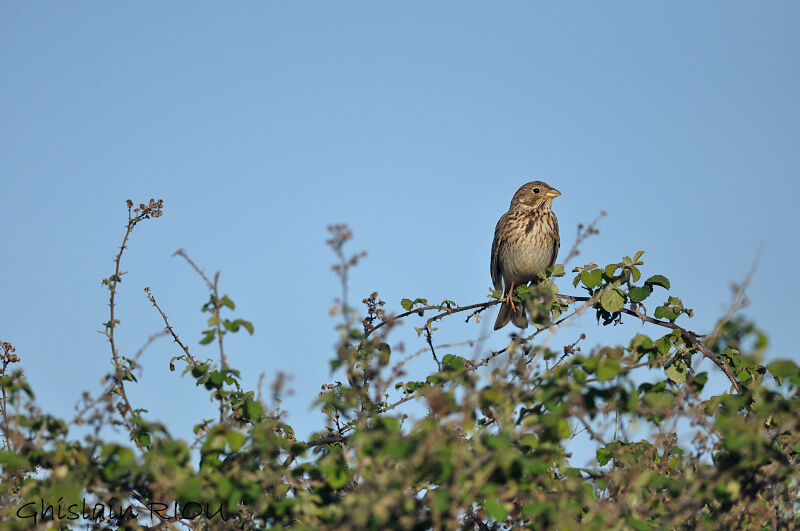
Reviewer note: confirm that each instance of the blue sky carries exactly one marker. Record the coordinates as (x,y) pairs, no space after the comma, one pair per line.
(261,123)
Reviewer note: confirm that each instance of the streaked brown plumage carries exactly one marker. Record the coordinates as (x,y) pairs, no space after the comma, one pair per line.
(525,242)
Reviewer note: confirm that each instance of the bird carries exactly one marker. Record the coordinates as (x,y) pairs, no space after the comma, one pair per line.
(526,242)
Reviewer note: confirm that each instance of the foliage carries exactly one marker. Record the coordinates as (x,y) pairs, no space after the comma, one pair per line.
(492,451)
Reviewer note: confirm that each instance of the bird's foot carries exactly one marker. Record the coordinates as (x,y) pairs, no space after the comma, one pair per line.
(510,298)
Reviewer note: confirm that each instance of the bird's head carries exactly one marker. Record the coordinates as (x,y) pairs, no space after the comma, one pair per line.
(536,194)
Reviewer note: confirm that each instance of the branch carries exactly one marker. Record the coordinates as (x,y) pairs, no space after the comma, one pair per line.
(328,439)
(588,301)
(593,434)
(168,328)
(688,334)
(447,310)
(152,209)
(181,252)
(583,233)
(739,301)
(213,287)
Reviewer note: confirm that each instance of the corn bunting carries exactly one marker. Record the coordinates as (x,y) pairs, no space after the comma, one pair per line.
(525,242)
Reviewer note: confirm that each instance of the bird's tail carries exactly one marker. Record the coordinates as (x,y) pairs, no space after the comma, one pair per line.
(516,316)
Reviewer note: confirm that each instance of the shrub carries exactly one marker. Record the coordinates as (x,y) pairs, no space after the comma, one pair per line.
(492,451)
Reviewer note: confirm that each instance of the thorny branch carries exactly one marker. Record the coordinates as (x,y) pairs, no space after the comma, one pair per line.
(213,287)
(152,209)
(445,311)
(688,334)
(516,341)
(168,327)
(7,357)
(739,299)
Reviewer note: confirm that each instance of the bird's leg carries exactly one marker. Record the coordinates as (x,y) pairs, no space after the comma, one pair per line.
(510,298)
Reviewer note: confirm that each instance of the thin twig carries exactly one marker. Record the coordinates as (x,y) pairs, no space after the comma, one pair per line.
(328,439)
(594,435)
(429,339)
(583,233)
(213,287)
(447,310)
(182,253)
(150,341)
(223,361)
(168,327)
(739,300)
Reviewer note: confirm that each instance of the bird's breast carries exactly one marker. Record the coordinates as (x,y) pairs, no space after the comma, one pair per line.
(530,250)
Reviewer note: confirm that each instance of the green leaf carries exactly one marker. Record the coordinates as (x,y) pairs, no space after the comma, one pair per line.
(782,368)
(534,508)
(389,423)
(640,293)
(610,268)
(453,362)
(523,293)
(407,304)
(253,410)
(11,459)
(639,525)
(608,369)
(191,489)
(384,354)
(235,440)
(664,312)
(495,509)
(603,456)
(676,371)
(337,477)
(701,378)
(209,337)
(612,301)
(658,280)
(227,302)
(592,279)
(636,273)
(735,441)
(199,370)
(557,270)
(562,428)
(442,500)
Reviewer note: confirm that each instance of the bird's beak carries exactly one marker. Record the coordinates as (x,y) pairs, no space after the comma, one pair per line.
(552,193)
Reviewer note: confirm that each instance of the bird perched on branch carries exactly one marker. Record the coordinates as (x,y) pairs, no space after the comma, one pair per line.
(525,242)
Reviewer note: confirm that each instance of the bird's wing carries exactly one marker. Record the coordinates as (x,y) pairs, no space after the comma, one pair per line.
(556,244)
(497,243)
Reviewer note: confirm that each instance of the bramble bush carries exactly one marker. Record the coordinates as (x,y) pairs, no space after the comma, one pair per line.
(491,451)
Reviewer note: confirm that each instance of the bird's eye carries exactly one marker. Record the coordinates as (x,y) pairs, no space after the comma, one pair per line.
(535,190)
